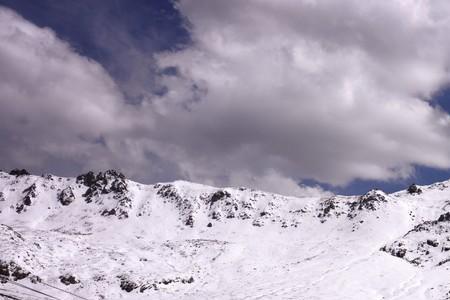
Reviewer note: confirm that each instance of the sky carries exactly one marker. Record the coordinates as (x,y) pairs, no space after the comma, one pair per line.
(298,97)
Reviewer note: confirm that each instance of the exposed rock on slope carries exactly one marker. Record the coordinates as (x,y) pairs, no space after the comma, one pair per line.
(427,244)
(19,172)
(29,194)
(66,196)
(335,206)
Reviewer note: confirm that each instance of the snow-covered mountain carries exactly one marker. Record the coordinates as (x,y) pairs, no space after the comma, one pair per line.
(102,236)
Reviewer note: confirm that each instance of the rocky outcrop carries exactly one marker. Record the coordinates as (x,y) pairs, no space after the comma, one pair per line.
(12,270)
(18,172)
(426,244)
(413,189)
(217,196)
(331,207)
(444,217)
(336,207)
(110,182)
(219,205)
(30,194)
(129,285)
(186,206)
(369,201)
(223,205)
(69,279)
(88,179)
(66,196)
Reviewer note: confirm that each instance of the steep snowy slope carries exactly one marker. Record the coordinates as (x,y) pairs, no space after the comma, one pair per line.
(101,236)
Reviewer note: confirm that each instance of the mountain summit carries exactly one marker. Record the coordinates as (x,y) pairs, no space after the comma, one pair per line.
(102,236)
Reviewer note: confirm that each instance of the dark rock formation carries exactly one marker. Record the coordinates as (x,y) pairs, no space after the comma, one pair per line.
(68,279)
(66,196)
(87,179)
(223,205)
(189,280)
(184,205)
(444,217)
(108,182)
(104,182)
(330,207)
(414,189)
(19,172)
(432,243)
(12,270)
(217,196)
(189,221)
(327,206)
(127,285)
(165,281)
(369,201)
(30,193)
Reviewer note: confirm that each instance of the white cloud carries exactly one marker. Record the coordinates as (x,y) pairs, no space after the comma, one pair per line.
(272,181)
(268,94)
(62,112)
(54,102)
(330,90)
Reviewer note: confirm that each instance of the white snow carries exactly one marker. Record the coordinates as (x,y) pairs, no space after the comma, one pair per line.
(259,245)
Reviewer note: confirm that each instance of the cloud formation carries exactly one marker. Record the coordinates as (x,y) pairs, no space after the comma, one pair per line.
(328,90)
(55,104)
(269,93)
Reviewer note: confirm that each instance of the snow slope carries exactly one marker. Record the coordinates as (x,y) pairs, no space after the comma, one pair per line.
(102,236)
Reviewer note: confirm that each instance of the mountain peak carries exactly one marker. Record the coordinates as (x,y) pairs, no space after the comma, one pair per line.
(174,239)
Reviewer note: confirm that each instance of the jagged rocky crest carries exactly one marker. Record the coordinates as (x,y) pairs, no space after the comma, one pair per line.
(105,183)
(110,192)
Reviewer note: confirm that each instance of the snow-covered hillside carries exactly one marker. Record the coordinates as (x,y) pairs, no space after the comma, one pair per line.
(102,236)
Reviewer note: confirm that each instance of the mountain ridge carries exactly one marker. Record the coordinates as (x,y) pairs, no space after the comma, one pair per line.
(186,240)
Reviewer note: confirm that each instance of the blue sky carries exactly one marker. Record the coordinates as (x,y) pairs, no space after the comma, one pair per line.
(149,49)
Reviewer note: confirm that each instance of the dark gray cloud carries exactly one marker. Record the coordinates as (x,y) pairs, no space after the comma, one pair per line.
(267,94)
